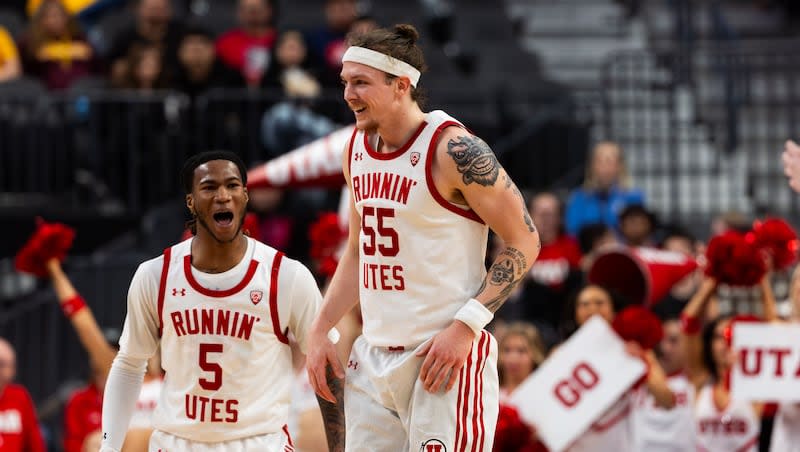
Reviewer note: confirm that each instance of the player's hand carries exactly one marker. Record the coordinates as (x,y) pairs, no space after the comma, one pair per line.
(791,164)
(446,354)
(321,354)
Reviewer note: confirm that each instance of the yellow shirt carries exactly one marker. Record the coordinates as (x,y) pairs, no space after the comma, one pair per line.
(8,50)
(72,6)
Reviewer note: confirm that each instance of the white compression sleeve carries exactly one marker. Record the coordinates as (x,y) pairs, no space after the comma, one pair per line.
(119,399)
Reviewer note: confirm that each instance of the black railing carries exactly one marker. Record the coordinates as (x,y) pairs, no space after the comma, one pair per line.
(711,145)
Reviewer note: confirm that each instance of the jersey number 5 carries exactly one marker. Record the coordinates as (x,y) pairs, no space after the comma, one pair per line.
(216,382)
(370,246)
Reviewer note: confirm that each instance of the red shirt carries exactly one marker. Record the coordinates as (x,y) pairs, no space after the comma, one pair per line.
(19,428)
(81,417)
(555,261)
(233,48)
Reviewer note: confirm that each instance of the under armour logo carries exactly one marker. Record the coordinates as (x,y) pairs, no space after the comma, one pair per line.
(352,364)
(359,156)
(175,292)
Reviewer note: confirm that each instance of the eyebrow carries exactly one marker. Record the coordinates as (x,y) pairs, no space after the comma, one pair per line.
(205,180)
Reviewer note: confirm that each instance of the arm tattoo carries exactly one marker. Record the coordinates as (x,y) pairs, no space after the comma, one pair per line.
(506,272)
(333,414)
(474,159)
(525,215)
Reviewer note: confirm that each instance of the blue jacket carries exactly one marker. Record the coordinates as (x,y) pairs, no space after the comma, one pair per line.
(586,207)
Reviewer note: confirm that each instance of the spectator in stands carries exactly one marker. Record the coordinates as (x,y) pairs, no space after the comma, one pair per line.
(730,220)
(248,48)
(54,48)
(658,429)
(200,69)
(613,431)
(637,225)
(10,66)
(84,10)
(606,190)
(19,428)
(678,239)
(144,69)
(291,71)
(593,238)
(154,26)
(327,43)
(709,362)
(556,272)
(82,412)
(520,351)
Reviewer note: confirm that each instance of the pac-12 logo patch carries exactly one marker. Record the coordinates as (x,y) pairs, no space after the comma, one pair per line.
(433,445)
(414,158)
(256,296)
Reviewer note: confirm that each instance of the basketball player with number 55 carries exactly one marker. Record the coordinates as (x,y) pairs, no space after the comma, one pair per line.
(221,306)
(425,191)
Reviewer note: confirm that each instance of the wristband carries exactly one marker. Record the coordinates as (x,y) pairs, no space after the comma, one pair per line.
(690,325)
(73,306)
(475,315)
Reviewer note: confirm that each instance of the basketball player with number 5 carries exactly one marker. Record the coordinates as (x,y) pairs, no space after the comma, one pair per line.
(221,306)
(425,191)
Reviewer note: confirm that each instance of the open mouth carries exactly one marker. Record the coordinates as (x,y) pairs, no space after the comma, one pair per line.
(223,218)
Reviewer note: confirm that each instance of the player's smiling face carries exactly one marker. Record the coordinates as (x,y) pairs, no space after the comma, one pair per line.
(219,199)
(368,94)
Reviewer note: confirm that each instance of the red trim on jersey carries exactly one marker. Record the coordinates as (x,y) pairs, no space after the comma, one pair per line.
(396,153)
(273,298)
(350,152)
(288,436)
(467,213)
(187,270)
(162,288)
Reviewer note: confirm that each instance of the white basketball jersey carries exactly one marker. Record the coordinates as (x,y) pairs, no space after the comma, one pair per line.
(734,429)
(612,432)
(224,343)
(420,257)
(660,430)
(786,431)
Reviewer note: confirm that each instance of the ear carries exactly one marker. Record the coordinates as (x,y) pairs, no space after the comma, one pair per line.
(402,85)
(190,203)
(246,195)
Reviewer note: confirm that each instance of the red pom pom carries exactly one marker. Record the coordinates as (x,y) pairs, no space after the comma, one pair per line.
(326,235)
(733,260)
(778,238)
(638,324)
(511,434)
(50,240)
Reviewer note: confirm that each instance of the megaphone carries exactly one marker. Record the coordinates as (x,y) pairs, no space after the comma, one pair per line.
(642,275)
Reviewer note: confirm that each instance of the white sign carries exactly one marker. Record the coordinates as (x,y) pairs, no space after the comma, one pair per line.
(577,384)
(767,364)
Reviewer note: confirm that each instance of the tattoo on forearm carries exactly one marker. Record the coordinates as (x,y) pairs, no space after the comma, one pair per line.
(525,214)
(333,414)
(474,159)
(506,272)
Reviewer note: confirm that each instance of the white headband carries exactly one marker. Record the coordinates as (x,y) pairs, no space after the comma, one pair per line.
(383,62)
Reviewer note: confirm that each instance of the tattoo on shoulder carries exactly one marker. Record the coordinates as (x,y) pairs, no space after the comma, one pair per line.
(525,214)
(474,159)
